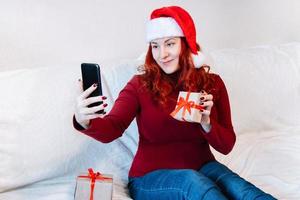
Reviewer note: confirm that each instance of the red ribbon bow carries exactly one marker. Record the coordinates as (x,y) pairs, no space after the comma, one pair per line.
(94,176)
(186,105)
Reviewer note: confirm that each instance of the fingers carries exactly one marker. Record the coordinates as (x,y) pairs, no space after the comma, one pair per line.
(203,92)
(207,104)
(92,110)
(93,116)
(80,85)
(88,91)
(91,100)
(206,97)
(206,100)
(84,114)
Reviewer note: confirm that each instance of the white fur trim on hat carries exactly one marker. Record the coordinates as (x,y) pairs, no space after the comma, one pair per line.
(199,59)
(162,27)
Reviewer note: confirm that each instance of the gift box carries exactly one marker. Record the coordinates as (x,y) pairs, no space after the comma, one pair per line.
(94,186)
(187,107)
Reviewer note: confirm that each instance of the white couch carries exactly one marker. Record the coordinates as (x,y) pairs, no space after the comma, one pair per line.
(41,154)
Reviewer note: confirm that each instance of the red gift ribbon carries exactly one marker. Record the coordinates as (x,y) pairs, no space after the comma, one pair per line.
(94,176)
(186,105)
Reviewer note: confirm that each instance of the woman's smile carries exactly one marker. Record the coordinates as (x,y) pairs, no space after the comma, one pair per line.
(167,62)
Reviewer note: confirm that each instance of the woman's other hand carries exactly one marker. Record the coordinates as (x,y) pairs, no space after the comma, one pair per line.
(206,100)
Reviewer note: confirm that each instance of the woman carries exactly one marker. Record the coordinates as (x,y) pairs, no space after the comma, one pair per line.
(173,160)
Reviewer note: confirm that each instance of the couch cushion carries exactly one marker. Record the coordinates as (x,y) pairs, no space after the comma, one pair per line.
(268,159)
(263,84)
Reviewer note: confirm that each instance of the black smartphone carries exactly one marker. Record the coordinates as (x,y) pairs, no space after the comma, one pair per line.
(91,74)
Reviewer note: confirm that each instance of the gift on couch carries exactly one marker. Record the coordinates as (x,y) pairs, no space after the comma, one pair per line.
(94,186)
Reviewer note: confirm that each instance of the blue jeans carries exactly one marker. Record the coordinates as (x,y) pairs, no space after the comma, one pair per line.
(214,181)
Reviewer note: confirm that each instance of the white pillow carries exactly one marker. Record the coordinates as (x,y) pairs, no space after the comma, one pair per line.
(263,84)
(38,143)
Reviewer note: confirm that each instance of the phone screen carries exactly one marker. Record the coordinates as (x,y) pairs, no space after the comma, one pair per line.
(90,75)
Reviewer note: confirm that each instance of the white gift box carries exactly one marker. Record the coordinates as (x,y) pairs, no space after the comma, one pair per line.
(188,108)
(94,186)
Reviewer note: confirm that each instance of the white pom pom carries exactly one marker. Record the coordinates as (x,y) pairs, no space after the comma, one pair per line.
(199,59)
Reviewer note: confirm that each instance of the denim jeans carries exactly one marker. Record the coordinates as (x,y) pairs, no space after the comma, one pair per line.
(214,181)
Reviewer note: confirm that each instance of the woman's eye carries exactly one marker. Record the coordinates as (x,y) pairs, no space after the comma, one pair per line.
(170,44)
(154,46)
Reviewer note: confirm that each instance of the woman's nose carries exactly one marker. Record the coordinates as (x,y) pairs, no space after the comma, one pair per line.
(163,53)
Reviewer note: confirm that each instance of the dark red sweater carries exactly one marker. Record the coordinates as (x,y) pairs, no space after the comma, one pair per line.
(164,142)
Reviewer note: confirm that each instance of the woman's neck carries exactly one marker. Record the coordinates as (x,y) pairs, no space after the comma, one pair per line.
(174,76)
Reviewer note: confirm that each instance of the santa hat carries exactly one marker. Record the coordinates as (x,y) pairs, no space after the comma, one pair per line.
(174,21)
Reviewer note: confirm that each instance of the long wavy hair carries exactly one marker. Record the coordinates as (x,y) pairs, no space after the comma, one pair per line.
(160,85)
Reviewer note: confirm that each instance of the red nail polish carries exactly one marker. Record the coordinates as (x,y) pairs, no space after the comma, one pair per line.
(202,98)
(95,85)
(201,110)
(201,103)
(104,105)
(104,97)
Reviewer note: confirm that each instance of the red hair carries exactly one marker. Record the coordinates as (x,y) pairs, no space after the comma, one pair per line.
(190,79)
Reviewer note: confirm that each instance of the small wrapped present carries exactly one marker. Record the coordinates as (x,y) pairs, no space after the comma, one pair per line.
(187,107)
(94,186)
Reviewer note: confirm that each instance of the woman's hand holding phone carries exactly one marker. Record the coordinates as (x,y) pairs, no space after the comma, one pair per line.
(83,113)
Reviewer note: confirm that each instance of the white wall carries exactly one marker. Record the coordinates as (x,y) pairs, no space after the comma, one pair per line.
(40,33)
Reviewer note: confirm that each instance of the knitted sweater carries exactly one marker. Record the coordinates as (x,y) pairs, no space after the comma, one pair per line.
(164,142)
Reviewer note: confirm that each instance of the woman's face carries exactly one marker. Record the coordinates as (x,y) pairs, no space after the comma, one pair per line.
(166,53)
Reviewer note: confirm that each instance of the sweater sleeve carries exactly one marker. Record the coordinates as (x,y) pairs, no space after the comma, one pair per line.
(123,112)
(221,136)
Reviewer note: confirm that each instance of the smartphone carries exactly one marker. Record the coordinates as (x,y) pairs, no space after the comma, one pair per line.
(91,74)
